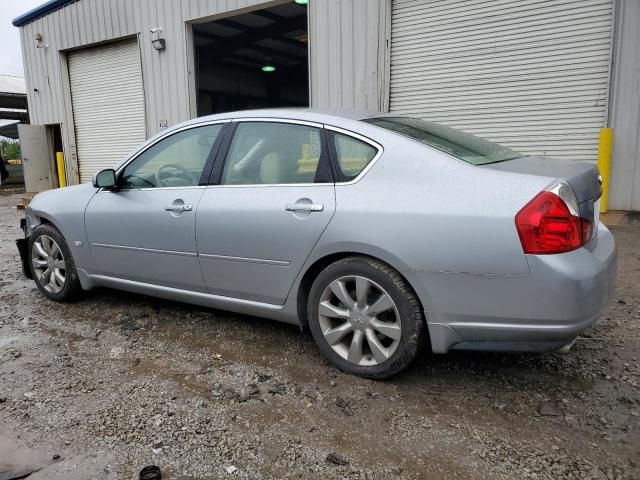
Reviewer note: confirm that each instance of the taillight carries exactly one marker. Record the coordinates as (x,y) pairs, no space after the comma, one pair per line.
(550,223)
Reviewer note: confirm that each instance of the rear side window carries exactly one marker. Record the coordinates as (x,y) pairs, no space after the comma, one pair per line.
(270,153)
(353,155)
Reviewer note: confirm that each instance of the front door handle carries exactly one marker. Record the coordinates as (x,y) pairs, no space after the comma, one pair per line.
(179,208)
(304,207)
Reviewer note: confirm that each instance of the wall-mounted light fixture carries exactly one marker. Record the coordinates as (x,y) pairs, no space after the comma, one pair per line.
(40,41)
(158,42)
(301,2)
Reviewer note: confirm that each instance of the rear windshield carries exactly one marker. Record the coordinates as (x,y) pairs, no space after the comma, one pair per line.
(467,147)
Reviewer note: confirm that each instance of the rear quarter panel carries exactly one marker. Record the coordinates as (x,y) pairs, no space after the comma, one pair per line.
(422,210)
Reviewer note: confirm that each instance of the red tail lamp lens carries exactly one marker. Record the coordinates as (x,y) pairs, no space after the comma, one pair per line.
(546,225)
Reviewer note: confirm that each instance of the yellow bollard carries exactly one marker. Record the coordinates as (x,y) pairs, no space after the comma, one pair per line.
(604,164)
(62,178)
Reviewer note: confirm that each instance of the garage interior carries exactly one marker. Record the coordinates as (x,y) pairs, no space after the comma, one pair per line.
(253,60)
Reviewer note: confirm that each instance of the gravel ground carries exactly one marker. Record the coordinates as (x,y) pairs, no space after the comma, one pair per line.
(102,387)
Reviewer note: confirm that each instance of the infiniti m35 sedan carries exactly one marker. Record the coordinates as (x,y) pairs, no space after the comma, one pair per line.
(380,234)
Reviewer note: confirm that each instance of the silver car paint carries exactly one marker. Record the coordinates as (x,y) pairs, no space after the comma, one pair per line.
(149,243)
(64,208)
(261,263)
(448,227)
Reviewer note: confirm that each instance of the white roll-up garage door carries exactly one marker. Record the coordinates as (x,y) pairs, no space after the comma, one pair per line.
(531,74)
(108,104)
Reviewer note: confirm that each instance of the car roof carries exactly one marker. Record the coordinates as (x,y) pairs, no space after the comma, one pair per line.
(326,116)
(345,119)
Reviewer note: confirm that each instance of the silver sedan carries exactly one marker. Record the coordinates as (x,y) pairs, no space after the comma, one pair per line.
(380,234)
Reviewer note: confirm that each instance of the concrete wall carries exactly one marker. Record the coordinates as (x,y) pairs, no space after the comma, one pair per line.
(347,54)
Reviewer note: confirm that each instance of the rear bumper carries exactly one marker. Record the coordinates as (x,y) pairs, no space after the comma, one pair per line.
(545,310)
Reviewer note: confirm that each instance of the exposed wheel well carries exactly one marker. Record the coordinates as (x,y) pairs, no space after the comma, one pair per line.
(41,220)
(314,270)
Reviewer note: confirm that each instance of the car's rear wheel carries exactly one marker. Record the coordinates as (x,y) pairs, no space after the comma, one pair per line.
(52,265)
(365,318)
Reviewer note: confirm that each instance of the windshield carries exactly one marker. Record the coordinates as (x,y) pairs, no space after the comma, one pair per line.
(467,147)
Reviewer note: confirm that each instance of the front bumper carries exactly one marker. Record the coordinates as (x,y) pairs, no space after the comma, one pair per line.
(545,310)
(23,249)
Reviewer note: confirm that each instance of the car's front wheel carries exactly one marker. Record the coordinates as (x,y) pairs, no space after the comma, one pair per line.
(365,318)
(52,265)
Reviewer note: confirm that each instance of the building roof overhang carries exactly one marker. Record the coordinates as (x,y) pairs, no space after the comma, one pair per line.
(39,12)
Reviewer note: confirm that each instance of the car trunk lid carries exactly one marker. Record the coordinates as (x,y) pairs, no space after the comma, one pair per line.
(583,177)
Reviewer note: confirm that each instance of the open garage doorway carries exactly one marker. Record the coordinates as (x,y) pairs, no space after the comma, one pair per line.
(253,60)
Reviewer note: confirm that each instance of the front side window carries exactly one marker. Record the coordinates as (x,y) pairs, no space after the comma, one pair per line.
(353,155)
(270,153)
(175,161)
(462,145)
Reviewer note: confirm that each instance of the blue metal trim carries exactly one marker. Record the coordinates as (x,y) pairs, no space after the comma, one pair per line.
(40,11)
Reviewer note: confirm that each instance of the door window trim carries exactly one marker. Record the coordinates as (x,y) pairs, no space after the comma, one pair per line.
(324,163)
(335,163)
(215,148)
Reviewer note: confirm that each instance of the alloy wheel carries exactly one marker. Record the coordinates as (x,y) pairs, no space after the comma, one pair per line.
(359,320)
(48,264)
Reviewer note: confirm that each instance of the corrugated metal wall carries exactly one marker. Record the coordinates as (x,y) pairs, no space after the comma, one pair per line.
(88,22)
(348,40)
(624,185)
(341,29)
(531,74)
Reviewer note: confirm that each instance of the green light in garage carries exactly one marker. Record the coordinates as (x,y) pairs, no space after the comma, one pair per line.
(301,2)
(268,68)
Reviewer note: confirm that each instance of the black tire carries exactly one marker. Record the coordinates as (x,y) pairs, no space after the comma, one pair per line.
(414,334)
(71,288)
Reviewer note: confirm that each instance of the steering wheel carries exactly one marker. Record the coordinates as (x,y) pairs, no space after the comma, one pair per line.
(181,173)
(128,183)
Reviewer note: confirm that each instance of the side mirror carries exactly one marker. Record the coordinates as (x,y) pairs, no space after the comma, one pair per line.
(105,178)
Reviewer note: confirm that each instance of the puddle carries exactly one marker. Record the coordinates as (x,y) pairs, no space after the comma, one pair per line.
(187,381)
(5,342)
(16,461)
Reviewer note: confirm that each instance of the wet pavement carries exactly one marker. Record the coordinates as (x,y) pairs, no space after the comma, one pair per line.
(118,381)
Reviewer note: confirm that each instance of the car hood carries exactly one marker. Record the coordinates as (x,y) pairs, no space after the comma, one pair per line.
(61,200)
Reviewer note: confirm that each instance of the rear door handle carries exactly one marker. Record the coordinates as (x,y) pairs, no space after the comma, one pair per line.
(304,207)
(179,208)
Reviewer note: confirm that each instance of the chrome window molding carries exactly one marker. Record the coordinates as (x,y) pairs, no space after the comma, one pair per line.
(144,189)
(372,143)
(159,139)
(379,148)
(304,123)
(254,185)
(368,141)
(278,120)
